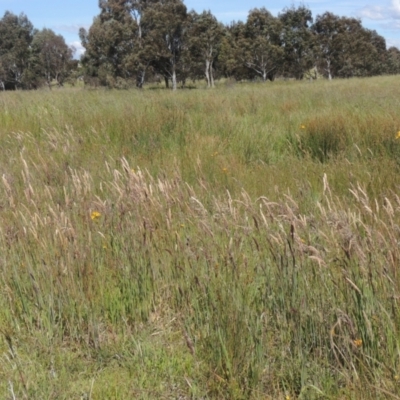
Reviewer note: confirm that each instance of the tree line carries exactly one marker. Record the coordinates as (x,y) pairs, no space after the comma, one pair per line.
(139,40)
(132,42)
(30,58)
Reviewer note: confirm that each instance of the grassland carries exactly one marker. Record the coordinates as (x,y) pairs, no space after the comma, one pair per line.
(238,243)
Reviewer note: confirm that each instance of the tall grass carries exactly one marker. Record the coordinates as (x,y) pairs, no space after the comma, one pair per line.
(238,243)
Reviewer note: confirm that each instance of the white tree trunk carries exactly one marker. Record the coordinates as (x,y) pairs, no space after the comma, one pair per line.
(207,72)
(174,83)
(212,75)
(328,69)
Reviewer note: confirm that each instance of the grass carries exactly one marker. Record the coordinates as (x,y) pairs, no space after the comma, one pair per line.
(237,243)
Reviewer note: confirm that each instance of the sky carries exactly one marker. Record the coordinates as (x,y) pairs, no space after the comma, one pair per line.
(66,17)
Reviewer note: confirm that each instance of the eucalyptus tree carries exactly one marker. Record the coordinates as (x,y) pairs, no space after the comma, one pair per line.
(346,48)
(230,61)
(378,58)
(204,38)
(140,60)
(51,56)
(393,61)
(167,23)
(16,34)
(361,52)
(108,43)
(130,36)
(298,41)
(327,29)
(259,46)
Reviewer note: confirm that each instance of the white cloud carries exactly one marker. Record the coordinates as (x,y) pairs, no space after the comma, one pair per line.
(393,43)
(71,28)
(389,12)
(396,7)
(373,12)
(391,25)
(79,49)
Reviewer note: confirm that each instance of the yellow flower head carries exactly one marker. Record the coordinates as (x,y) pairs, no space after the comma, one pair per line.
(358,342)
(95,215)
(398,135)
(302,127)
(225,170)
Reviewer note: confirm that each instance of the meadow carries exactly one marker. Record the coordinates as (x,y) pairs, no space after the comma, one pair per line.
(236,243)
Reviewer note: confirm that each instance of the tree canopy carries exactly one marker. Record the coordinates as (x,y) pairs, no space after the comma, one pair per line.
(29,57)
(131,42)
(160,39)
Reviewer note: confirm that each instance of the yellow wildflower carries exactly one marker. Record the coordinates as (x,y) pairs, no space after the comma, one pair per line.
(95,215)
(358,342)
(225,170)
(398,135)
(302,127)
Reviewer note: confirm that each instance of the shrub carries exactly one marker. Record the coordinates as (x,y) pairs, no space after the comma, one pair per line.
(323,137)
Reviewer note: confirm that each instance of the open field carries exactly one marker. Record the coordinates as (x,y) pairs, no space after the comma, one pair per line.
(237,243)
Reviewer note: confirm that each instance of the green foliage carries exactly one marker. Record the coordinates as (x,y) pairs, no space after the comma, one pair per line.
(30,58)
(166,22)
(146,38)
(51,57)
(346,48)
(134,42)
(259,46)
(16,34)
(298,40)
(129,38)
(204,42)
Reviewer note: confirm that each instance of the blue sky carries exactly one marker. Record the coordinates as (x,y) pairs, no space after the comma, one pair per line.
(66,17)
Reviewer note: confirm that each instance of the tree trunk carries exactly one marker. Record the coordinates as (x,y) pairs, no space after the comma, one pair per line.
(207,72)
(212,75)
(328,69)
(174,84)
(140,79)
(264,75)
(166,81)
(48,80)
